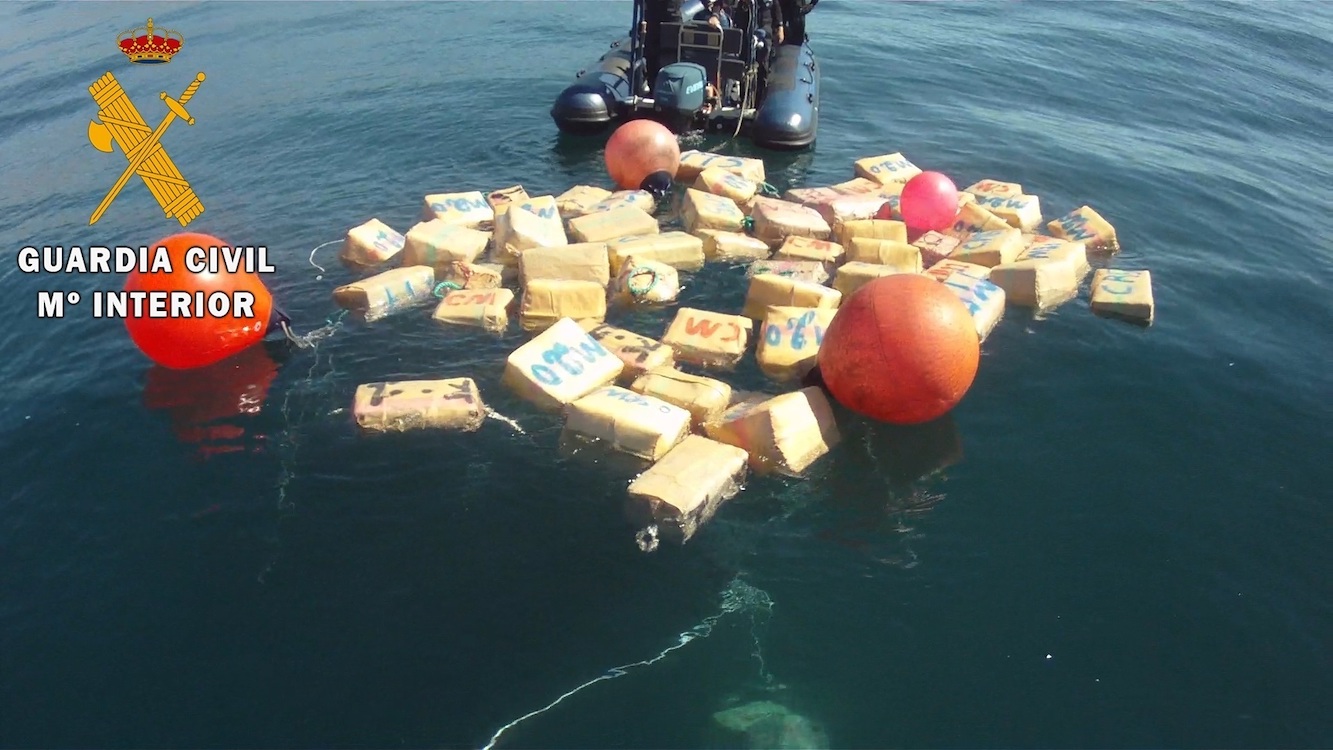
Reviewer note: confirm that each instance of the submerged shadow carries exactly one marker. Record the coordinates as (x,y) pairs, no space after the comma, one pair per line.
(216,408)
(883,477)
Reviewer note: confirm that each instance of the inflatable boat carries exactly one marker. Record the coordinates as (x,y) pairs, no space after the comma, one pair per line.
(677,69)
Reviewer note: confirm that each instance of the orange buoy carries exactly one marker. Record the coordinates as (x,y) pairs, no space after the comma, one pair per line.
(191,334)
(902,349)
(639,149)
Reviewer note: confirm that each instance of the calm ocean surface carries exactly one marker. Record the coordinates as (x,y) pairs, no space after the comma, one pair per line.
(1129,544)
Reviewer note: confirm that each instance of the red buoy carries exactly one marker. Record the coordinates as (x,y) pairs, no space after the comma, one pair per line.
(640,148)
(902,349)
(188,335)
(929,201)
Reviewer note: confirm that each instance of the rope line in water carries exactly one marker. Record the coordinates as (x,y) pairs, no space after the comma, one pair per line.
(738,596)
(316,249)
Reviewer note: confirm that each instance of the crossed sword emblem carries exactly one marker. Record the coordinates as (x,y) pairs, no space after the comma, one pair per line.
(121,124)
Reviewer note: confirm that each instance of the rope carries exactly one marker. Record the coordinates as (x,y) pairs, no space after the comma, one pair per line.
(768,189)
(316,249)
(450,285)
(739,596)
(641,271)
(309,340)
(747,223)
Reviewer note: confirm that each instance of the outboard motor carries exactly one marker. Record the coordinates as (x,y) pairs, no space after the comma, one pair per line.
(679,94)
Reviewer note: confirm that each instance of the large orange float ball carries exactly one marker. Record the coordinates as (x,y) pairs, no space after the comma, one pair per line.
(640,148)
(902,349)
(188,342)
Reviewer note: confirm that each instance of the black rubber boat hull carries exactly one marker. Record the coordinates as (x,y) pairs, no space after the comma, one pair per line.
(789,117)
(597,96)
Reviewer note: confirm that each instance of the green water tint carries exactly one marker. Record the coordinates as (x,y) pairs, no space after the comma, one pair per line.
(766,724)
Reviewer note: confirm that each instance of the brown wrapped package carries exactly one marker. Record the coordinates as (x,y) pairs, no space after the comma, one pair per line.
(705,398)
(453,404)
(785,434)
(681,492)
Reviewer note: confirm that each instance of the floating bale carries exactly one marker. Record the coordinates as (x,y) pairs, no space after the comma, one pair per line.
(801,270)
(438,244)
(784,434)
(741,402)
(1020,211)
(702,210)
(806,196)
(854,274)
(1047,273)
(500,200)
(994,188)
(546,301)
(899,255)
(386,293)
(886,169)
(533,223)
(1036,282)
(399,406)
(1051,248)
(560,365)
(604,226)
(838,207)
(1125,295)
(935,247)
(726,184)
(580,200)
(680,250)
(639,353)
(629,422)
(681,492)
(371,244)
(469,210)
(973,218)
(583,261)
(640,199)
(1084,225)
(942,270)
(831,254)
(705,398)
(791,339)
(473,275)
(991,247)
(768,289)
(693,162)
(875,229)
(732,247)
(646,281)
(707,338)
(862,186)
(776,220)
(487,309)
(984,300)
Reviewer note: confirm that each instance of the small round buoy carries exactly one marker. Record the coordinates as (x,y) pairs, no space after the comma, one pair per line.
(902,349)
(929,201)
(185,341)
(638,149)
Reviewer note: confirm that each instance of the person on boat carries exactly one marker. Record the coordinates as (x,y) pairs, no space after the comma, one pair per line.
(770,21)
(719,15)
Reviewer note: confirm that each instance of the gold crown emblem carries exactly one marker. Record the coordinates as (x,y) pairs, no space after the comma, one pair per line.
(146,45)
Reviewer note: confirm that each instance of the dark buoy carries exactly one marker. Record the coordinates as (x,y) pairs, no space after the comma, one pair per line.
(658,183)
